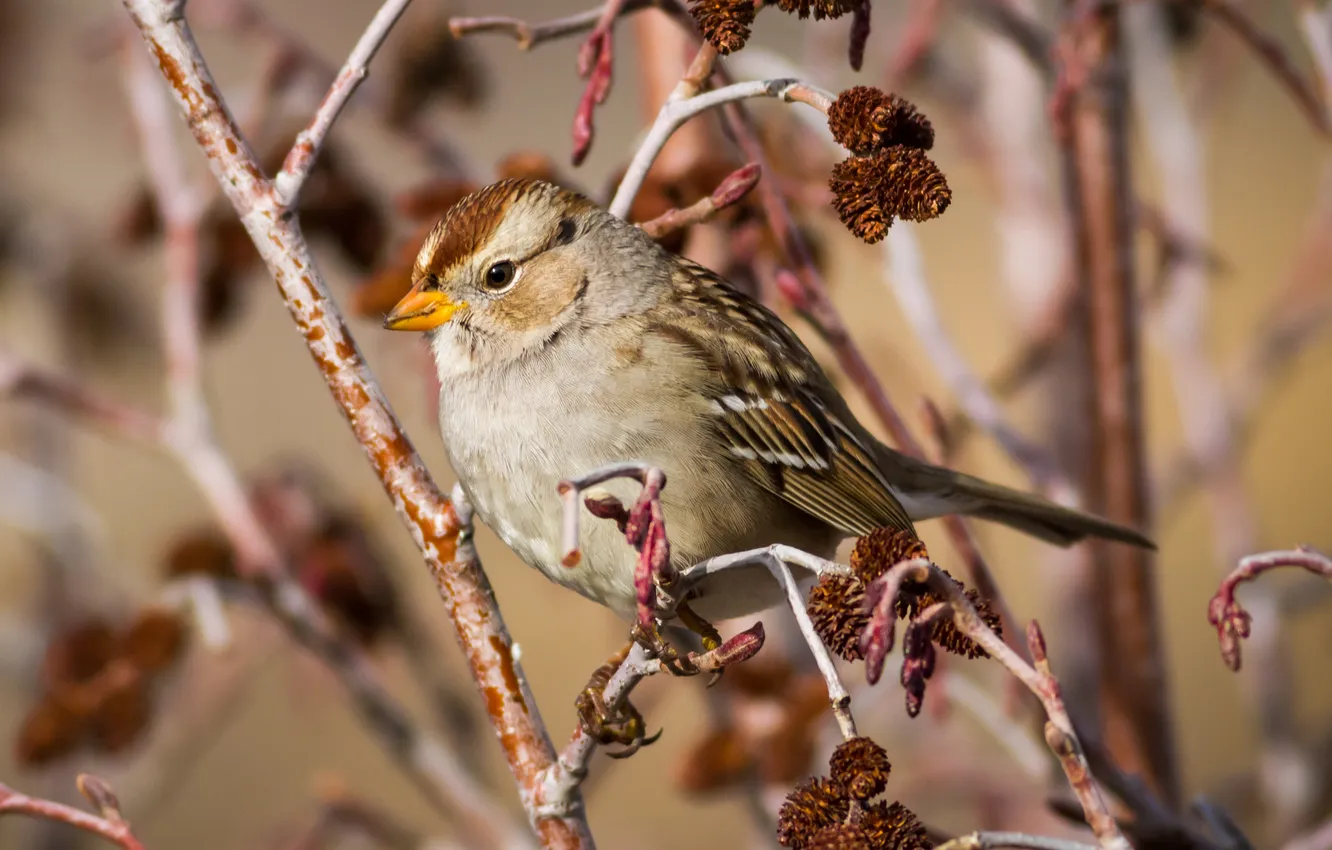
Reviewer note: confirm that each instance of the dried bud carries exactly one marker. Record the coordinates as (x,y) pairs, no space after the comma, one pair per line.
(820,8)
(724,23)
(429,201)
(78,653)
(897,182)
(814,804)
(153,640)
(203,553)
(891,826)
(861,767)
(864,119)
(533,165)
(431,63)
(122,713)
(843,836)
(860,33)
(918,660)
(48,732)
(717,761)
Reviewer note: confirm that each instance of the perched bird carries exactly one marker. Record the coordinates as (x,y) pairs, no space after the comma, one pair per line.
(567,340)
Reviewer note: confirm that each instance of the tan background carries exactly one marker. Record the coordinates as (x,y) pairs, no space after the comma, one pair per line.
(68,151)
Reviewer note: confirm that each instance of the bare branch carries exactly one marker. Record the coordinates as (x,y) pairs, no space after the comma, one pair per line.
(108,824)
(530,35)
(300,160)
(682,106)
(439,529)
(906,275)
(733,189)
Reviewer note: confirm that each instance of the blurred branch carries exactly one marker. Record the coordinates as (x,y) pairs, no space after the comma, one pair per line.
(108,823)
(1133,692)
(1209,429)
(1272,54)
(531,35)
(906,275)
(437,528)
(995,840)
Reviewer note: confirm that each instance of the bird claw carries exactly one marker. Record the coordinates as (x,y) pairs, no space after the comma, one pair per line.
(671,659)
(623,725)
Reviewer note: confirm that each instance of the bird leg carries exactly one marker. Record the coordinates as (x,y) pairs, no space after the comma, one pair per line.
(706,632)
(619,725)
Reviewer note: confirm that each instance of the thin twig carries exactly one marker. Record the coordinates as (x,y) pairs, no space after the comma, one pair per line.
(1274,56)
(438,529)
(1224,612)
(733,189)
(681,107)
(906,276)
(300,159)
(108,824)
(531,35)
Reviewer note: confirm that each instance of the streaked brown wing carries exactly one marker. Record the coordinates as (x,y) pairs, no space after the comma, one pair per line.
(783,419)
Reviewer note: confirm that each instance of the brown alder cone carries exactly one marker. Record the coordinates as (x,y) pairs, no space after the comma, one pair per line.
(724,23)
(863,119)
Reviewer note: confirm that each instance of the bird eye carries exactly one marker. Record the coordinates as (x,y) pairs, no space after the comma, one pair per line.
(500,275)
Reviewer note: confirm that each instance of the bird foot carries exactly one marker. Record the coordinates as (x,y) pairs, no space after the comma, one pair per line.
(621,725)
(676,662)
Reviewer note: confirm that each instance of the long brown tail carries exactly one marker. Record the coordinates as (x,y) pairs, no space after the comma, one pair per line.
(959,493)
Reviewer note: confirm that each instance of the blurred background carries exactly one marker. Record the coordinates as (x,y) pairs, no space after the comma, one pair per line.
(239,747)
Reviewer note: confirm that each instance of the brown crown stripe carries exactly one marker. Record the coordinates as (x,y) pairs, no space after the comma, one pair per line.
(471,222)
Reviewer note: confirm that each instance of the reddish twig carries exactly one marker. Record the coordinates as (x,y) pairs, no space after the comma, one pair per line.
(733,189)
(877,642)
(438,529)
(108,823)
(1224,612)
(644,527)
(596,64)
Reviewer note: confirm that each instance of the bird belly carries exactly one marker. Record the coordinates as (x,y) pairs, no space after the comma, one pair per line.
(511,453)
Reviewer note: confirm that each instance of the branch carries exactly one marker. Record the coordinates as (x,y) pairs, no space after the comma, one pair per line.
(1271,53)
(995,840)
(20,379)
(906,275)
(1224,612)
(301,158)
(530,35)
(877,642)
(440,530)
(682,105)
(108,824)
(733,189)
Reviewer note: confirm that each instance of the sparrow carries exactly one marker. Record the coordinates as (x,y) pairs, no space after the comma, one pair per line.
(566,339)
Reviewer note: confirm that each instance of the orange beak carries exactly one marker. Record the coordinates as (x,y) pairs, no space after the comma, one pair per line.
(421,310)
